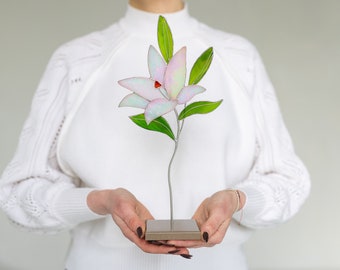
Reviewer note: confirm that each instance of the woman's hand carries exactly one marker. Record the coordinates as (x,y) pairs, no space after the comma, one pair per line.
(213,217)
(130,215)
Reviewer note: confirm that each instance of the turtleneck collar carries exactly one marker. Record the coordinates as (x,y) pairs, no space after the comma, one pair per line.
(145,23)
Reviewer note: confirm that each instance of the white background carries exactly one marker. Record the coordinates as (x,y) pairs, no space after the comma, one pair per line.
(299,41)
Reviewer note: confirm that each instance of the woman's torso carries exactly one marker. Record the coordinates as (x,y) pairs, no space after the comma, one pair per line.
(101,146)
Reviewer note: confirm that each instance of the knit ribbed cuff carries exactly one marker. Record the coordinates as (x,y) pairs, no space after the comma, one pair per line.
(71,206)
(253,207)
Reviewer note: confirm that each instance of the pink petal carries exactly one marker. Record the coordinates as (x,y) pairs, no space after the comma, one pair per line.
(157,65)
(188,93)
(143,87)
(175,73)
(157,108)
(134,100)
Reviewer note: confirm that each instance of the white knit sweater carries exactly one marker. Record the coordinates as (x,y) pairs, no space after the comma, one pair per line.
(243,144)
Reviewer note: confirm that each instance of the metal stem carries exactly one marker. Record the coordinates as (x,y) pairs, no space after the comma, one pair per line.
(179,129)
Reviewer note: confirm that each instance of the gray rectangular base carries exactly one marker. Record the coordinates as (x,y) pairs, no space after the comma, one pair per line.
(180,230)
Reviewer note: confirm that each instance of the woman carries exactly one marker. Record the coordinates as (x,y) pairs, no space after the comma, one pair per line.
(81,165)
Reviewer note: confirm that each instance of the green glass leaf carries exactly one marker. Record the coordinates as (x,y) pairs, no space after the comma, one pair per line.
(201,66)
(165,40)
(200,107)
(158,125)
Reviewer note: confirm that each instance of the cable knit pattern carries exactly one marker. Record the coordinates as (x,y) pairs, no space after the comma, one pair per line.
(32,182)
(37,195)
(278,182)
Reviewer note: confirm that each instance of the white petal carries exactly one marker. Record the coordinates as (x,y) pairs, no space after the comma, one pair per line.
(175,73)
(157,65)
(188,93)
(135,101)
(157,108)
(143,87)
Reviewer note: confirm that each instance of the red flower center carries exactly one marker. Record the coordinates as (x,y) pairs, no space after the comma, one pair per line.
(157,84)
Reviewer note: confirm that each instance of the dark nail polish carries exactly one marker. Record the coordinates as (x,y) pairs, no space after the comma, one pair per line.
(168,245)
(174,251)
(206,237)
(139,232)
(186,256)
(157,243)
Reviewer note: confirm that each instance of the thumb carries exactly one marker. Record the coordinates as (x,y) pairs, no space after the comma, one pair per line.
(213,227)
(136,220)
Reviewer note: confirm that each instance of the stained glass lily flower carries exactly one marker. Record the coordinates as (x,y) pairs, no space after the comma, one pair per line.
(164,90)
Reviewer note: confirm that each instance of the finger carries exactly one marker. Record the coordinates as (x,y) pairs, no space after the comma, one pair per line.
(208,240)
(134,217)
(219,235)
(188,243)
(141,243)
(215,224)
(160,243)
(130,233)
(215,236)
(160,249)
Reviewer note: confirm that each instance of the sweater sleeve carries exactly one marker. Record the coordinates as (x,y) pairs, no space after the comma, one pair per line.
(34,193)
(278,183)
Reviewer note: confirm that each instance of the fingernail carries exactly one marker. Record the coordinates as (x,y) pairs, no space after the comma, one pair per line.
(157,243)
(186,256)
(206,237)
(174,251)
(139,232)
(167,245)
